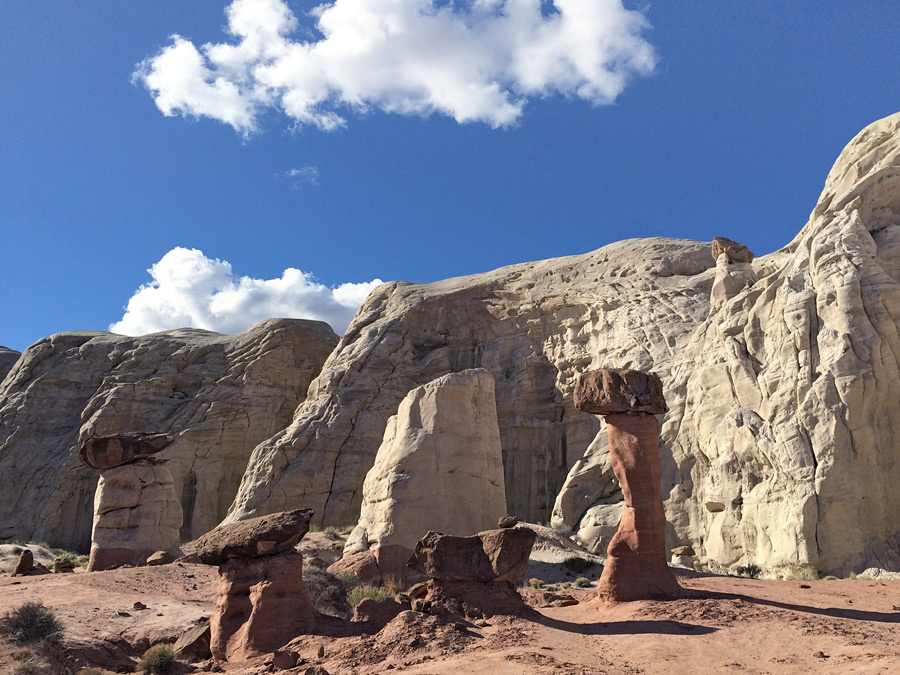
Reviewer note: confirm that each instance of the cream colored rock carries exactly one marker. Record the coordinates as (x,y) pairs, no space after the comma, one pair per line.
(439,468)
(218,395)
(8,358)
(785,406)
(136,513)
(731,279)
(534,326)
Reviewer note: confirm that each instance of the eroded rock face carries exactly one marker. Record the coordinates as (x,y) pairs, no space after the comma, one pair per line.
(785,404)
(261,605)
(609,391)
(136,513)
(217,395)
(439,467)
(733,251)
(254,538)
(8,358)
(734,272)
(533,326)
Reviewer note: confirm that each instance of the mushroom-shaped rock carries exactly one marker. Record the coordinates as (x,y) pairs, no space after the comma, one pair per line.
(737,253)
(636,566)
(107,452)
(136,513)
(255,537)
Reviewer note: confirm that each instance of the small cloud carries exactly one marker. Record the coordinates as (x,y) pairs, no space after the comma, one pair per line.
(305,175)
(191,290)
(472,60)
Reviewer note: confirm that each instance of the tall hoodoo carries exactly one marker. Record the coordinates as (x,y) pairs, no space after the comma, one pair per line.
(636,566)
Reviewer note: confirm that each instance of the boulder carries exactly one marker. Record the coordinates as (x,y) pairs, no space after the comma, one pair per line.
(439,467)
(136,513)
(261,606)
(491,556)
(218,395)
(254,538)
(24,564)
(193,644)
(107,452)
(609,390)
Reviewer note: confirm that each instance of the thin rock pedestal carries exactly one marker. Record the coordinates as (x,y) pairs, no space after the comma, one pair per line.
(636,566)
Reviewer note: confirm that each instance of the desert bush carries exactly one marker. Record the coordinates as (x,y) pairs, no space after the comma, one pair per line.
(583,582)
(331,533)
(535,583)
(578,564)
(799,573)
(392,586)
(76,559)
(31,622)
(31,666)
(327,592)
(92,671)
(349,578)
(751,570)
(159,659)
(360,593)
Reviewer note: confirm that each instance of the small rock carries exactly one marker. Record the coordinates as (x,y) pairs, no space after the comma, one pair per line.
(25,563)
(320,653)
(122,612)
(139,606)
(508,521)
(805,586)
(63,566)
(683,550)
(418,590)
(285,659)
(159,558)
(315,670)
(820,655)
(481,623)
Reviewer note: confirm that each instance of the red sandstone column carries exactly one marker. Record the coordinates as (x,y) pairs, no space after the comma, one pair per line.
(636,567)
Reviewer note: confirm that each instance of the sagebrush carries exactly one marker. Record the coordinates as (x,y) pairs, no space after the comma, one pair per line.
(31,622)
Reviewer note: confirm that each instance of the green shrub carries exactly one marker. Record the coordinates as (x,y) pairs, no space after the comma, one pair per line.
(583,582)
(577,564)
(349,578)
(31,622)
(158,659)
(76,559)
(360,593)
(535,583)
(751,570)
(331,533)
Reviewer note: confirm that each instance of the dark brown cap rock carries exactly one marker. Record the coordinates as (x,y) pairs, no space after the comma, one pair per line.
(107,452)
(254,538)
(609,391)
(737,253)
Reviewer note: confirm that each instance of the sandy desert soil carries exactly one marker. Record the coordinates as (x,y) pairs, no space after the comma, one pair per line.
(727,625)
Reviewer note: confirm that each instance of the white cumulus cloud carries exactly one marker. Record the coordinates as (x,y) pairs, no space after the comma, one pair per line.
(473,60)
(191,290)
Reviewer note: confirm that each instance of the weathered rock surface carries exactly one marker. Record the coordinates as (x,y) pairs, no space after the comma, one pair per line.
(473,576)
(8,358)
(733,251)
(218,395)
(254,538)
(261,605)
(107,452)
(786,402)
(136,513)
(534,326)
(493,555)
(784,398)
(615,390)
(439,467)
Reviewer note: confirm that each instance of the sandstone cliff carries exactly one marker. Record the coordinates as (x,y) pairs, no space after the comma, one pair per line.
(219,395)
(8,358)
(779,444)
(534,326)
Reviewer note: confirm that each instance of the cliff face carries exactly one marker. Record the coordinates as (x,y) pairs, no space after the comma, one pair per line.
(534,326)
(8,358)
(219,395)
(779,444)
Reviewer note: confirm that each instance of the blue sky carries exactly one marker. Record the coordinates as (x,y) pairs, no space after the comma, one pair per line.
(731,134)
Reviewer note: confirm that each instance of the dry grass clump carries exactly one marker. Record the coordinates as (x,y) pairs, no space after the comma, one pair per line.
(158,660)
(31,622)
(536,583)
(798,573)
(583,582)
